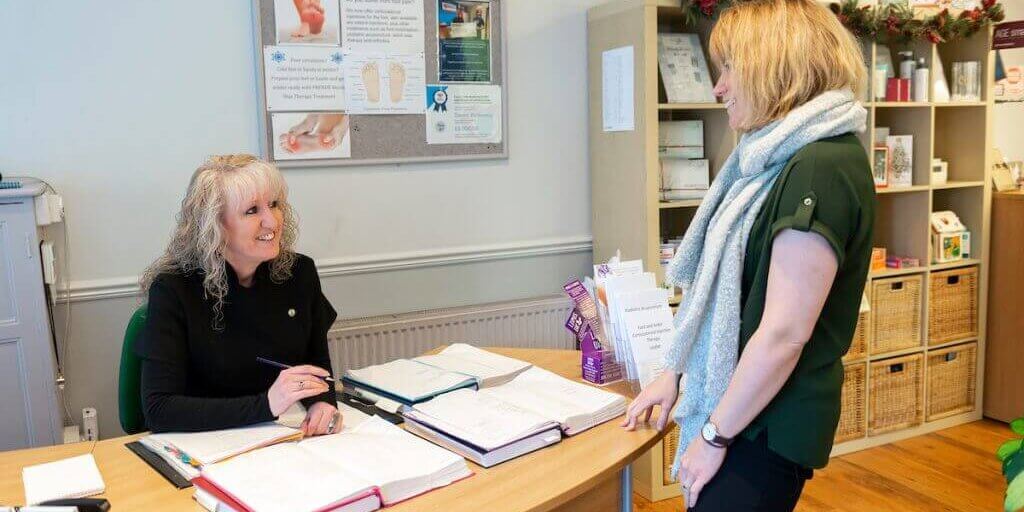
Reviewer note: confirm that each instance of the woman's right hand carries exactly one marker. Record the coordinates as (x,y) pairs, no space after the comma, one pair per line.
(294,384)
(663,392)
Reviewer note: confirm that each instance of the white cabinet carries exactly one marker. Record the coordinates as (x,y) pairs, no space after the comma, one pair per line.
(29,410)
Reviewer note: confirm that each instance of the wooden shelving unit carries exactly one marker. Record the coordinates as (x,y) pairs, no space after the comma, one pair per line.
(628,216)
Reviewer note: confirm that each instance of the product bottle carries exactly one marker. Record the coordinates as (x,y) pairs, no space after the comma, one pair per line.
(907,65)
(921,81)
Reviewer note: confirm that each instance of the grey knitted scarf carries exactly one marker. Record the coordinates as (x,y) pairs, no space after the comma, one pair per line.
(709,263)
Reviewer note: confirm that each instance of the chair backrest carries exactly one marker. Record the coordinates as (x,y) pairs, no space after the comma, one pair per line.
(129,398)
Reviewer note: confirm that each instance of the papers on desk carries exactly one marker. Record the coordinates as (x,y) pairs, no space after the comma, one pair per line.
(374,463)
(496,424)
(481,427)
(489,369)
(411,381)
(575,406)
(75,477)
(407,381)
(201,448)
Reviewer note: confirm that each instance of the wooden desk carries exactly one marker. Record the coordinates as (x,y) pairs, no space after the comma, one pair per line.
(583,472)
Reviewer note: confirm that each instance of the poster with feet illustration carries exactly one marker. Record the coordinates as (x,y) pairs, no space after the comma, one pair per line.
(306,22)
(385,84)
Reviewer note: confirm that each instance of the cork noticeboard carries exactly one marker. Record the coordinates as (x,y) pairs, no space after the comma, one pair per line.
(390,138)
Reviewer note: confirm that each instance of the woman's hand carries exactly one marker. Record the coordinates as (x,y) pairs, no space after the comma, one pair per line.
(322,418)
(663,392)
(294,384)
(698,465)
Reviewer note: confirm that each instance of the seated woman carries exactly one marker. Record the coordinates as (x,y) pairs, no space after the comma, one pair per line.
(228,289)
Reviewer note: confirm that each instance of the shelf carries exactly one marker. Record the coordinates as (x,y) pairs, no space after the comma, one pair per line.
(901,104)
(948,344)
(691,106)
(682,203)
(959,104)
(893,272)
(900,190)
(958,184)
(954,264)
(874,358)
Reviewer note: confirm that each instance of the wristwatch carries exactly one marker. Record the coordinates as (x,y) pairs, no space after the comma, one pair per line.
(709,432)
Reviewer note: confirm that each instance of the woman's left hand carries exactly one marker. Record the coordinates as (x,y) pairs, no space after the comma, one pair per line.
(699,464)
(318,420)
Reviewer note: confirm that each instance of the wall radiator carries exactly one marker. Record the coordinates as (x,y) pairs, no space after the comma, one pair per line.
(532,323)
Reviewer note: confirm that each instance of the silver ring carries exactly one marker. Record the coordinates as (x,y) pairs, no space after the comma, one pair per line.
(333,423)
(302,384)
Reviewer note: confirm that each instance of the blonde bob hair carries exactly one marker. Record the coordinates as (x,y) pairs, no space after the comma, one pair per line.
(783,53)
(198,241)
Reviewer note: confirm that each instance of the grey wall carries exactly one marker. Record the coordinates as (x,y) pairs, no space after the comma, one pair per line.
(116,105)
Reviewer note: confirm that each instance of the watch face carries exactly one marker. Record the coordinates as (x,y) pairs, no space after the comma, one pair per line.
(708,432)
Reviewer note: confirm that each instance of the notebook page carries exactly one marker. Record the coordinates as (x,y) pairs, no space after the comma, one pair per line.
(481,419)
(408,379)
(484,365)
(553,396)
(216,445)
(285,477)
(398,462)
(75,477)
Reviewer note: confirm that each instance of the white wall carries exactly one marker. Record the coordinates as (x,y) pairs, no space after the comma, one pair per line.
(1007,117)
(116,104)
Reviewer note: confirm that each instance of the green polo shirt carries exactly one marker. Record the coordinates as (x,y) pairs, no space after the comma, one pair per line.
(827,188)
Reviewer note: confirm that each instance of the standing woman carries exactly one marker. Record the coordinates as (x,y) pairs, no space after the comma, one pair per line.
(773,265)
(229,288)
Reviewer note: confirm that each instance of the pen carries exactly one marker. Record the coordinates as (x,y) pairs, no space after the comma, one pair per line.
(285,366)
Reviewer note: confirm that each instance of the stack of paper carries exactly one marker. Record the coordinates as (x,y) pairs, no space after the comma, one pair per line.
(406,381)
(641,323)
(489,369)
(372,464)
(76,477)
(481,427)
(495,424)
(187,451)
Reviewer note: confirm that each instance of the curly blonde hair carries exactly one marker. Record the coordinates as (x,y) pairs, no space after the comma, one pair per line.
(198,241)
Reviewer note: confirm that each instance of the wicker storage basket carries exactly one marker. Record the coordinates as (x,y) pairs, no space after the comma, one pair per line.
(859,345)
(668,454)
(895,314)
(951,380)
(852,423)
(896,398)
(952,305)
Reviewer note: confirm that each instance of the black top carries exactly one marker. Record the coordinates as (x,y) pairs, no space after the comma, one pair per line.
(197,378)
(826,188)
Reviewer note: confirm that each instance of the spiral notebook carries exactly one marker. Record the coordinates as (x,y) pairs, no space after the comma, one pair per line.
(76,477)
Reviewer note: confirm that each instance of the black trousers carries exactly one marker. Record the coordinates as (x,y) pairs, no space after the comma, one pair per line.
(753,478)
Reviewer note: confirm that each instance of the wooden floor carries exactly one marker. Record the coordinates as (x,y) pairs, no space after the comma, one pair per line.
(954,469)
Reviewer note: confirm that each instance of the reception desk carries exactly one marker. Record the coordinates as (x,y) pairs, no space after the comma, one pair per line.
(587,472)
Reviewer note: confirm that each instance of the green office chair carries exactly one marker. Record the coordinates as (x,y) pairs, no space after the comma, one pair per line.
(129,398)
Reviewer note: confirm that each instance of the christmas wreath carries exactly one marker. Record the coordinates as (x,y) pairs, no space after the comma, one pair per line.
(886,23)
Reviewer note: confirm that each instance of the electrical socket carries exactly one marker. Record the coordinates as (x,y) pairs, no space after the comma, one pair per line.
(90,424)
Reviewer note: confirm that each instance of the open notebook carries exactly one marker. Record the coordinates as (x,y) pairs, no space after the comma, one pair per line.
(74,477)
(335,472)
(495,424)
(489,369)
(481,427)
(186,452)
(406,381)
